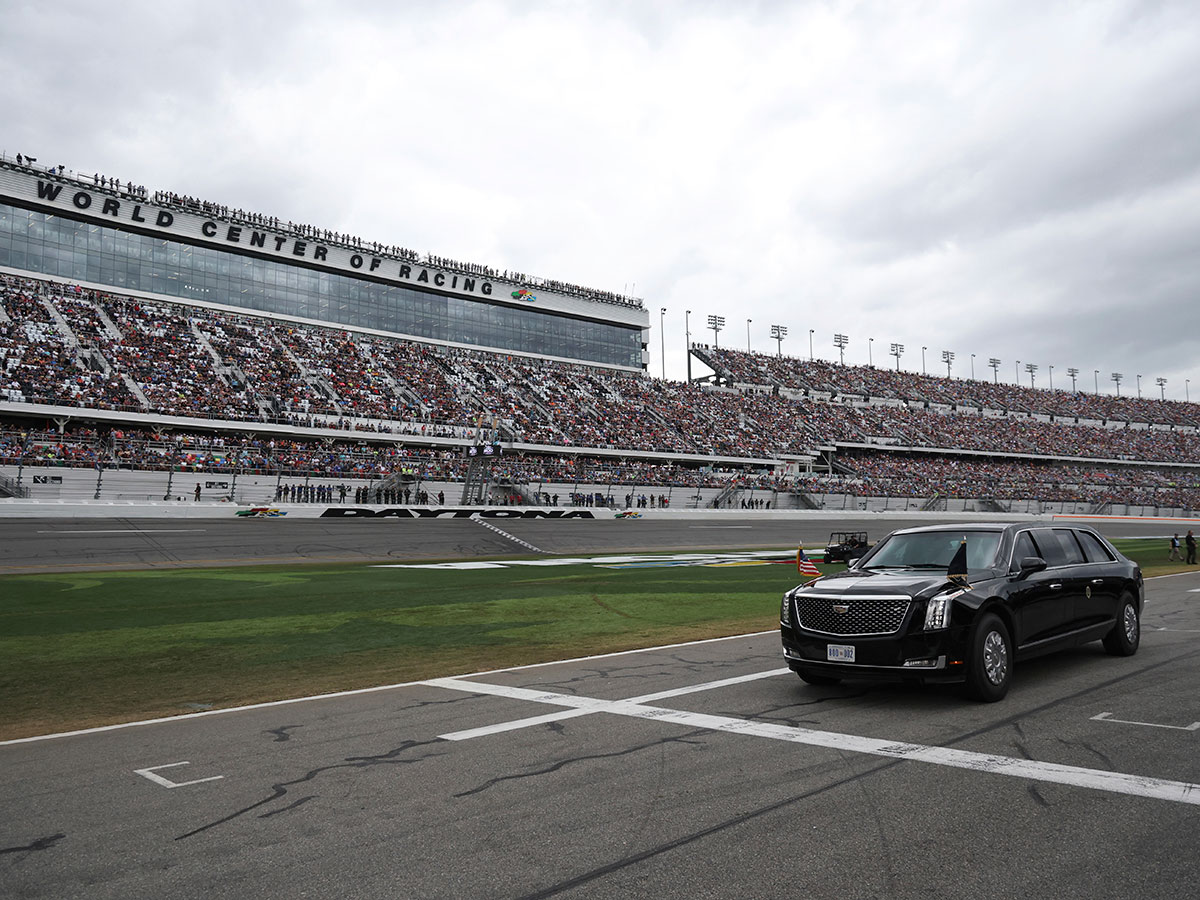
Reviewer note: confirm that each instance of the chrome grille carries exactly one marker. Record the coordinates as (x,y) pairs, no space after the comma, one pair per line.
(851,615)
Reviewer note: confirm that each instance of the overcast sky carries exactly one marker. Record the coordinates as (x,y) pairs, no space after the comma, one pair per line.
(1016,179)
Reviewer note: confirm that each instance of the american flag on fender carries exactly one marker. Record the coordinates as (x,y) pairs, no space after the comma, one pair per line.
(804,565)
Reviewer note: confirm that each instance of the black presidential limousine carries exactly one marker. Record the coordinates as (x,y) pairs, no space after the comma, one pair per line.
(963,603)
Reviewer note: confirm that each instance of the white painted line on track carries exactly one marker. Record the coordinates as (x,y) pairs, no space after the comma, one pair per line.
(516,724)
(131,531)
(1107,717)
(166,782)
(372,690)
(1093,779)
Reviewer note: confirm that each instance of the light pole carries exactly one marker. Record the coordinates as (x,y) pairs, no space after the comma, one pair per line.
(995,364)
(870,358)
(716,323)
(1017,371)
(687,341)
(840,341)
(810,334)
(1073,372)
(1162,388)
(1186,395)
(972,366)
(897,350)
(1096,378)
(1139,386)
(662,340)
(1031,368)
(1051,368)
(779,332)
(923,349)
(748,321)
(947,358)
(1116,377)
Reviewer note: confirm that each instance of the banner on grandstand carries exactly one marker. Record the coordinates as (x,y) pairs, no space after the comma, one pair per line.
(455,512)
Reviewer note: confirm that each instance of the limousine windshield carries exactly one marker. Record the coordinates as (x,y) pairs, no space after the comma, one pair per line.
(933,550)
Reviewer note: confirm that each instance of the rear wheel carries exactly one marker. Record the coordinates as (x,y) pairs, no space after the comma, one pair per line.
(989,668)
(810,677)
(1126,634)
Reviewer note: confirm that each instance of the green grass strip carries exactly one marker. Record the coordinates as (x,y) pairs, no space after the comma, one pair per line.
(78,650)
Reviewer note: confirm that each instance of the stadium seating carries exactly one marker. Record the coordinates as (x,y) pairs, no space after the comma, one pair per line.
(65,346)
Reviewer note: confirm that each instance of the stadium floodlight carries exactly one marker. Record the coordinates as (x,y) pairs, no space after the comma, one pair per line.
(662,340)
(1187,396)
(810,334)
(687,341)
(995,364)
(1139,386)
(1031,368)
(748,321)
(1073,372)
(1050,369)
(1116,377)
(840,341)
(1096,379)
(972,366)
(870,358)
(948,358)
(1162,388)
(778,333)
(716,323)
(897,351)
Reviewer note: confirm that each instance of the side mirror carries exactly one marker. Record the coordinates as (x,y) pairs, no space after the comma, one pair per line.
(1031,564)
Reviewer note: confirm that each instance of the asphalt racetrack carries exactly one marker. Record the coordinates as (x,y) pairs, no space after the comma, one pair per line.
(698,771)
(48,544)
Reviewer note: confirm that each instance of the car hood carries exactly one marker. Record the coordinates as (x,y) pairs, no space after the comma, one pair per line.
(887,581)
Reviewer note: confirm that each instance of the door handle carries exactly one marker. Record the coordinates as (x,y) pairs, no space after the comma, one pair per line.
(1097,581)
(1056,587)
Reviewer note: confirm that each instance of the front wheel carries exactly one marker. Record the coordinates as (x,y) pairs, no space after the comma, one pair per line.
(1126,634)
(989,668)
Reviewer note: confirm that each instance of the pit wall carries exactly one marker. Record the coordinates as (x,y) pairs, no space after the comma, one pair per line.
(69,492)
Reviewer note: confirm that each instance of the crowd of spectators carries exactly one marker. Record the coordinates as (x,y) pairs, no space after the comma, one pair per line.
(862,473)
(820,376)
(63,345)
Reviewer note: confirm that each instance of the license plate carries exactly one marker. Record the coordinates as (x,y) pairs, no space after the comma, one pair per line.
(839,652)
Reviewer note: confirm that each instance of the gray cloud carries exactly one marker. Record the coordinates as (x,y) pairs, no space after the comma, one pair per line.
(1017,180)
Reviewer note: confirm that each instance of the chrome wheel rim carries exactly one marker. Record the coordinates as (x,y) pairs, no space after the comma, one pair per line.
(1131,623)
(995,658)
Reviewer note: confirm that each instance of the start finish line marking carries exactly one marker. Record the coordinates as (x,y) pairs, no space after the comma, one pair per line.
(1093,779)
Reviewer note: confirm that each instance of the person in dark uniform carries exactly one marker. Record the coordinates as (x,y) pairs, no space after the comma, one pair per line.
(1190,541)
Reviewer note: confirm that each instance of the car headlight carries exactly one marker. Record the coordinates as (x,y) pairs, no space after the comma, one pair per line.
(785,610)
(937,610)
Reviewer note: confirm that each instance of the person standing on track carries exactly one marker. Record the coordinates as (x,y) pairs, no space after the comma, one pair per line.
(1190,541)
(1174,554)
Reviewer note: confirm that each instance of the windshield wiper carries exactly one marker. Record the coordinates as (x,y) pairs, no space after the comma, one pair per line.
(928,566)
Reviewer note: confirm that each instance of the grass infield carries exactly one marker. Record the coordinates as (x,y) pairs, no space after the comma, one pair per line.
(85,649)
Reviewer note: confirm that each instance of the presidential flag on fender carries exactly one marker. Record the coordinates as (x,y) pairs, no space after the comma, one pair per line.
(957,570)
(804,565)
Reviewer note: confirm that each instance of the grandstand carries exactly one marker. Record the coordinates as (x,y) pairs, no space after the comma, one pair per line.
(146,338)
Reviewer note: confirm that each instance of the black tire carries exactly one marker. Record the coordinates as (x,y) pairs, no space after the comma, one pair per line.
(990,665)
(810,677)
(1126,633)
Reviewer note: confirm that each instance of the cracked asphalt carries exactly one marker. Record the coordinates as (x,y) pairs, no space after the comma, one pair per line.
(361,796)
